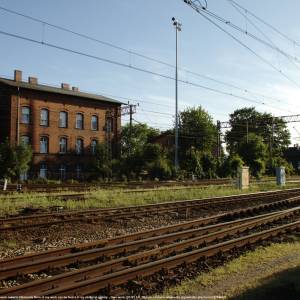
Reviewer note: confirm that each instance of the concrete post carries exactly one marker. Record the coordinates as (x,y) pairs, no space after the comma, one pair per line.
(242,181)
(280,176)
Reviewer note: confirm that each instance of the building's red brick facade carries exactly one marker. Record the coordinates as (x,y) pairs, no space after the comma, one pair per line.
(15,95)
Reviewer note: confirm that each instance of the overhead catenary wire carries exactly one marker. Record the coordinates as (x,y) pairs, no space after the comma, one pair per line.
(285,36)
(202,13)
(130,66)
(271,45)
(130,52)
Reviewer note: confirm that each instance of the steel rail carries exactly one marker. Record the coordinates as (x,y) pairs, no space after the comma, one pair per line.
(149,233)
(136,211)
(118,278)
(142,210)
(207,232)
(125,263)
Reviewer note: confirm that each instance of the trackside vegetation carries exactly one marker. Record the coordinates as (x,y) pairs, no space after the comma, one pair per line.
(15,203)
(255,139)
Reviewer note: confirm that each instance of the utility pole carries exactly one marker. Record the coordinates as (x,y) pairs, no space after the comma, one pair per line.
(218,140)
(272,139)
(129,109)
(177,26)
(247,131)
(130,121)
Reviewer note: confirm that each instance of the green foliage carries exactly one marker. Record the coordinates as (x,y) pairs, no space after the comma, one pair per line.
(230,166)
(192,162)
(14,160)
(278,161)
(155,162)
(102,165)
(23,158)
(253,151)
(159,168)
(196,122)
(258,167)
(134,141)
(209,165)
(200,163)
(259,123)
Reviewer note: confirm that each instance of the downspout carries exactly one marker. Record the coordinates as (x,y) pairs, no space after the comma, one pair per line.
(18,117)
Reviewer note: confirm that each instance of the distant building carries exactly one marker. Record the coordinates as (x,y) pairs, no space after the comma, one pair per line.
(63,125)
(292,155)
(165,140)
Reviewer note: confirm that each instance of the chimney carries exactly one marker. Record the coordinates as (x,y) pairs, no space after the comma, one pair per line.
(18,75)
(75,89)
(32,80)
(65,86)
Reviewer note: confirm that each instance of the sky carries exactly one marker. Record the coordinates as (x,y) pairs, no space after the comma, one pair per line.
(145,27)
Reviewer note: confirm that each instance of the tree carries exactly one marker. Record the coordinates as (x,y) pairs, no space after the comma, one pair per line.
(253,151)
(230,165)
(102,165)
(274,132)
(200,163)
(197,130)
(133,141)
(156,162)
(14,160)
(192,163)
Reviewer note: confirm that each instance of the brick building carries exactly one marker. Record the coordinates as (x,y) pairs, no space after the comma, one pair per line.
(63,125)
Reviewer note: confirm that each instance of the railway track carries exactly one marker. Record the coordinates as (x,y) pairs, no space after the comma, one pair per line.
(118,185)
(138,187)
(188,208)
(109,265)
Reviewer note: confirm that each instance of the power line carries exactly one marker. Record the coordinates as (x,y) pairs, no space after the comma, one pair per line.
(133,68)
(200,12)
(130,52)
(249,34)
(294,42)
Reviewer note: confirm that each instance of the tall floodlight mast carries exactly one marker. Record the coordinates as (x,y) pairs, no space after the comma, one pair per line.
(177,26)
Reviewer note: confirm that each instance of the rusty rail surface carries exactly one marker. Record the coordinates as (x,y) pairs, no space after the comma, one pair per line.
(116,279)
(121,269)
(20,222)
(154,232)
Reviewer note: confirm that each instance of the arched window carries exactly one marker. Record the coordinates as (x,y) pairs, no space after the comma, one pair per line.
(94,123)
(25,139)
(94,146)
(44,117)
(63,119)
(79,146)
(63,145)
(44,144)
(25,115)
(79,121)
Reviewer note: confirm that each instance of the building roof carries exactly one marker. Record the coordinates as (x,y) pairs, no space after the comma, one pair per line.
(56,90)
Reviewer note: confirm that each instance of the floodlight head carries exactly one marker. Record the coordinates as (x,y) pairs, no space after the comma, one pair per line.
(173,19)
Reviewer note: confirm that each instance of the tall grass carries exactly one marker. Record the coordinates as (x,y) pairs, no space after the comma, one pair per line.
(118,198)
